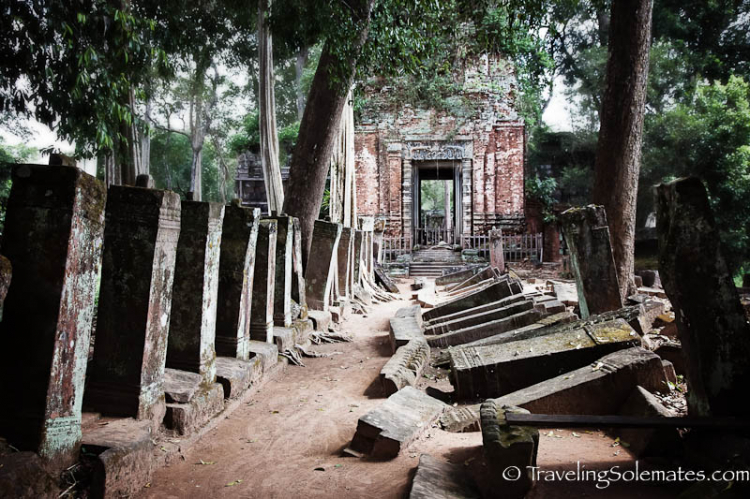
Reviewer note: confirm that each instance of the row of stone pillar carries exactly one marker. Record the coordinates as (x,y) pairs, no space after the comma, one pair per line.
(181,281)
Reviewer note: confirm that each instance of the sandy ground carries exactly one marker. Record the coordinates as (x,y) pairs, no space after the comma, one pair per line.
(287,441)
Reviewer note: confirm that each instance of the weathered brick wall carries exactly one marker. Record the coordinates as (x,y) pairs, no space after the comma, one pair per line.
(483,139)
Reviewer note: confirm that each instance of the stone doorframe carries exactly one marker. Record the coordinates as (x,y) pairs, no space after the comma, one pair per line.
(459,148)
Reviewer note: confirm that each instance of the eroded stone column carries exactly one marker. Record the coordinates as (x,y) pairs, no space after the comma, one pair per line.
(52,238)
(711,323)
(192,329)
(343,262)
(261,323)
(282,308)
(497,256)
(320,270)
(587,235)
(135,303)
(368,227)
(298,279)
(236,272)
(359,238)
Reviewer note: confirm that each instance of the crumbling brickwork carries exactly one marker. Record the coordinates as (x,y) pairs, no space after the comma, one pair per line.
(480,141)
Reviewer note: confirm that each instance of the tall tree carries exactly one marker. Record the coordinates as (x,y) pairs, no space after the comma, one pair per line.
(618,156)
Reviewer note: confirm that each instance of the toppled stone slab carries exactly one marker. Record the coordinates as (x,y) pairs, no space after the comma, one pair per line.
(236,375)
(474,287)
(476,310)
(487,273)
(648,441)
(386,430)
(496,370)
(597,389)
(320,319)
(403,330)
(547,325)
(507,447)
(438,480)
(123,463)
(486,329)
(412,311)
(549,307)
(486,315)
(498,291)
(405,367)
(458,276)
(207,402)
(382,278)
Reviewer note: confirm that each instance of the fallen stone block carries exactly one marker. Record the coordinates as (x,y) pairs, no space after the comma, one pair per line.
(180,386)
(672,351)
(669,371)
(487,273)
(484,330)
(496,370)
(480,317)
(600,388)
(648,442)
(507,447)
(236,375)
(386,430)
(495,292)
(412,311)
(122,464)
(206,403)
(566,292)
(320,319)
(438,480)
(555,323)
(549,307)
(640,317)
(382,278)
(403,330)
(23,474)
(405,367)
(658,292)
(304,329)
(458,276)
(417,284)
(473,287)
(476,310)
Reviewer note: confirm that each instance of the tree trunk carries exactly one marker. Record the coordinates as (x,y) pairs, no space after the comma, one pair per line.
(447,204)
(318,131)
(618,155)
(299,68)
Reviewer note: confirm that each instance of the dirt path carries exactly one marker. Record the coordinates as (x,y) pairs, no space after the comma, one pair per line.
(275,445)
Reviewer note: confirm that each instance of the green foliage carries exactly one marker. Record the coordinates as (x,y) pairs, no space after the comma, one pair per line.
(10,155)
(542,190)
(248,138)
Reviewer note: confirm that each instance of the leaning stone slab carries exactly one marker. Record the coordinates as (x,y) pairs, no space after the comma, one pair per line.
(481,317)
(600,388)
(507,446)
(591,258)
(476,310)
(321,271)
(382,278)
(386,430)
(236,273)
(438,480)
(498,291)
(52,238)
(186,418)
(126,375)
(236,375)
(484,330)
(282,303)
(710,319)
(487,273)
(403,330)
(192,327)
(298,278)
(496,370)
(405,367)
(547,325)
(458,276)
(261,317)
(474,287)
(344,258)
(123,450)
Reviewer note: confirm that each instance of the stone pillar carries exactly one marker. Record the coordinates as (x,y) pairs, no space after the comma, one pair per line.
(359,238)
(407,197)
(298,279)
(320,270)
(710,319)
(261,323)
(368,227)
(377,243)
(192,329)
(135,303)
(282,308)
(52,238)
(466,196)
(343,262)
(236,272)
(587,235)
(497,256)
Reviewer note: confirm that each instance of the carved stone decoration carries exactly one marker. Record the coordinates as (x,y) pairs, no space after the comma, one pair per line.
(435,150)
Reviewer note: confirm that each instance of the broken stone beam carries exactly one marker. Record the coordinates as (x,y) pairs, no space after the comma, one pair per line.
(587,235)
(261,316)
(600,388)
(485,329)
(298,278)
(497,255)
(236,273)
(405,326)
(711,323)
(492,293)
(476,310)
(192,327)
(282,303)
(343,262)
(481,317)
(386,430)
(52,238)
(320,270)
(487,273)
(456,277)
(135,302)
(554,323)
(496,370)
(507,447)
(438,480)
(406,366)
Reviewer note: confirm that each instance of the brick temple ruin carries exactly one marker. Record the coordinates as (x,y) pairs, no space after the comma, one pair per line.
(480,151)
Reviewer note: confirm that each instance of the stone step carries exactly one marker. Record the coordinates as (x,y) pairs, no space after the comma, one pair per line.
(386,430)
(496,370)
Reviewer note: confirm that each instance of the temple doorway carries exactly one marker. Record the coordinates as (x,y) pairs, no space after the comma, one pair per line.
(436,216)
